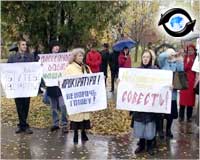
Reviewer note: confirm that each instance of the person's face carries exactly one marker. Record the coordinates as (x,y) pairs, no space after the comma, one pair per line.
(172,57)
(146,58)
(55,49)
(126,51)
(22,46)
(191,50)
(105,48)
(79,58)
(41,47)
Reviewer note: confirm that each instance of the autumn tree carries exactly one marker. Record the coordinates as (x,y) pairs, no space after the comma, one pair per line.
(72,22)
(141,21)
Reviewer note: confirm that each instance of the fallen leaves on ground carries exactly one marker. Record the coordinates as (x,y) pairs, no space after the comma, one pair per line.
(105,122)
(39,113)
(110,121)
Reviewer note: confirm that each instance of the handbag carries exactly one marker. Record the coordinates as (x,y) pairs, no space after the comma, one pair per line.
(180,81)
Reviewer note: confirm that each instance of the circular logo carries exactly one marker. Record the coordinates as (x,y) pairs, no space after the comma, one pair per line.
(177,22)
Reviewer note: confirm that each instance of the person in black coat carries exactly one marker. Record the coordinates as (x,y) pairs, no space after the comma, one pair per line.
(114,67)
(56,99)
(22,104)
(105,57)
(37,51)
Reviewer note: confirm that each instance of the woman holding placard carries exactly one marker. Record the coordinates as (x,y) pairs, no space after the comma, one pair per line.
(144,123)
(80,121)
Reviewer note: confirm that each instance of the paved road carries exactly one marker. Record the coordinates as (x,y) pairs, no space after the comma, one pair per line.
(45,145)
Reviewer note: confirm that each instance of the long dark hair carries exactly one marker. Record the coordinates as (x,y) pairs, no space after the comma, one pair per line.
(124,49)
(150,61)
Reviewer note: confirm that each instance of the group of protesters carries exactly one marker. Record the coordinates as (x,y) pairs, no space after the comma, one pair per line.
(146,125)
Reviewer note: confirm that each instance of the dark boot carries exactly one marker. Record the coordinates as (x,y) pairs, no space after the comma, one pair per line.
(141,146)
(28,131)
(168,129)
(169,134)
(138,143)
(160,132)
(181,113)
(154,142)
(189,113)
(75,136)
(112,81)
(19,130)
(54,128)
(150,147)
(84,136)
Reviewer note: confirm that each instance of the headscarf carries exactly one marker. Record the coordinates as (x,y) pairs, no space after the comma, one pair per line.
(191,46)
(150,61)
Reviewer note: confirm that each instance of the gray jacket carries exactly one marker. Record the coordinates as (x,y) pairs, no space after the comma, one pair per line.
(18,57)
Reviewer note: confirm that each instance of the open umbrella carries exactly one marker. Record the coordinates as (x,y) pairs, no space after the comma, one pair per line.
(119,45)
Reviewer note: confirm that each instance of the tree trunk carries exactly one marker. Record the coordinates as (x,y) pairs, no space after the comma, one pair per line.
(136,53)
(62,22)
(59,10)
(143,47)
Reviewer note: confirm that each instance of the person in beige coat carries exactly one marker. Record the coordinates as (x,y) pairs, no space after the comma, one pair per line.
(80,121)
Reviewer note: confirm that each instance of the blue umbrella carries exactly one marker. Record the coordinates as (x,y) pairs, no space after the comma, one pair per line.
(119,45)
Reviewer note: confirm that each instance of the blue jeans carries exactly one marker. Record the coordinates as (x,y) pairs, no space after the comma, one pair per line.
(57,105)
(146,131)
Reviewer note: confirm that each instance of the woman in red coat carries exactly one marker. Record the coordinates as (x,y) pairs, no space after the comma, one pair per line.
(93,60)
(187,96)
(124,59)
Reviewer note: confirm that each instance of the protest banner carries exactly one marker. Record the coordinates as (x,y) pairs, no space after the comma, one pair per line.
(144,90)
(53,65)
(196,64)
(84,93)
(21,79)
(198,46)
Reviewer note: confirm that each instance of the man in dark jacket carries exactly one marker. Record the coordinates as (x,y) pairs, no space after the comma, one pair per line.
(114,67)
(56,99)
(22,104)
(105,57)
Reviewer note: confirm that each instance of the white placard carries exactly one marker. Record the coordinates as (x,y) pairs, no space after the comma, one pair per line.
(53,66)
(145,90)
(196,64)
(198,46)
(84,93)
(21,79)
